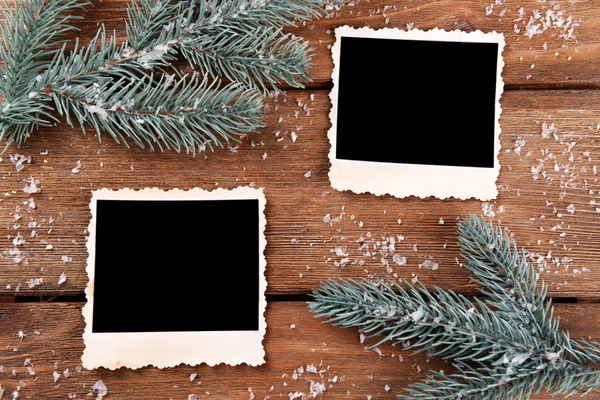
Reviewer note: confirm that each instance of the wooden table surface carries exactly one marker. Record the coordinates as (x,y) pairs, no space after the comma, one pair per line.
(548,197)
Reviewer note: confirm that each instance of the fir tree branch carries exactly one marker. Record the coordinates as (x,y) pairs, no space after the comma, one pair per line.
(511,284)
(30,36)
(489,384)
(238,40)
(504,274)
(169,113)
(263,57)
(150,22)
(275,13)
(444,324)
(506,347)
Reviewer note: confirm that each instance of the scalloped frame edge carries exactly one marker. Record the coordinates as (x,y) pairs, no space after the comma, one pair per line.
(168,349)
(404,180)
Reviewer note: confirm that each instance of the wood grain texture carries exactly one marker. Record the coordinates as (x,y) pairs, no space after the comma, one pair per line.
(52,343)
(551,211)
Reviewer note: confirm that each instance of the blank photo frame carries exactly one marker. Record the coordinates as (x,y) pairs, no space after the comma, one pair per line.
(175,277)
(416,113)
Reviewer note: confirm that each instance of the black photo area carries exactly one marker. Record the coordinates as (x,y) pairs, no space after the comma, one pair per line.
(168,266)
(417,102)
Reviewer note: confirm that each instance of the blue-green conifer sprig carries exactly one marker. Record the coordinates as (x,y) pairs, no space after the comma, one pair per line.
(506,345)
(132,90)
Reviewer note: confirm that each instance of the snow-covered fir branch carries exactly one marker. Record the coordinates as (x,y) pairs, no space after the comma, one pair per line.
(131,90)
(504,347)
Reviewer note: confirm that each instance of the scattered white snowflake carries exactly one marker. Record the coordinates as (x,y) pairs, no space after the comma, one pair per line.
(488,209)
(398,259)
(311,368)
(547,131)
(100,388)
(18,240)
(430,265)
(571,208)
(316,388)
(417,315)
(519,144)
(31,185)
(34,282)
(62,279)
(97,109)
(77,167)
(308,174)
(19,160)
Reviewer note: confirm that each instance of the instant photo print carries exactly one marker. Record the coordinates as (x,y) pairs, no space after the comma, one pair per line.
(175,277)
(416,113)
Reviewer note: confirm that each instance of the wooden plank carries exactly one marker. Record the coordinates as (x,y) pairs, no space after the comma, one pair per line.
(559,57)
(302,249)
(52,343)
(551,57)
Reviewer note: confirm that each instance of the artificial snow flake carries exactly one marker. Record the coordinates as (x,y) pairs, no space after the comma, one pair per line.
(18,160)
(417,315)
(548,130)
(62,279)
(31,185)
(430,265)
(77,168)
(100,388)
(316,388)
(311,368)
(488,209)
(34,282)
(398,259)
(97,109)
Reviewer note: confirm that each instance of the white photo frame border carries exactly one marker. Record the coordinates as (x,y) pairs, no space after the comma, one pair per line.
(167,349)
(404,180)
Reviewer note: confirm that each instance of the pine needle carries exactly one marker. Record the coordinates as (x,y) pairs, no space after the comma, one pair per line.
(132,91)
(506,347)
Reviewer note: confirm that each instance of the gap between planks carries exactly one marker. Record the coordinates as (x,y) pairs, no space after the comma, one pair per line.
(271,298)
